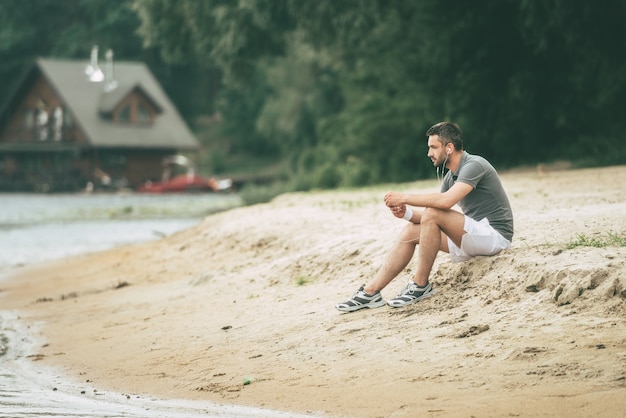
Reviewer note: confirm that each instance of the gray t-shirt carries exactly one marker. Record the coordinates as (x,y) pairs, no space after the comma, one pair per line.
(488,199)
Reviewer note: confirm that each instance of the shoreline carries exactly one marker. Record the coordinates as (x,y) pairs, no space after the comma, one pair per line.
(40,390)
(248,296)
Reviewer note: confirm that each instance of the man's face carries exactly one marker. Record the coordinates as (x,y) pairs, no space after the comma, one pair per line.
(436,150)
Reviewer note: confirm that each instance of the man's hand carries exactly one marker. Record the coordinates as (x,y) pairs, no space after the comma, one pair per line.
(398,211)
(394,199)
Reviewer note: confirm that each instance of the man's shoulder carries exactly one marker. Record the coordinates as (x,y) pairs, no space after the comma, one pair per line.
(476,162)
(476,158)
(476,169)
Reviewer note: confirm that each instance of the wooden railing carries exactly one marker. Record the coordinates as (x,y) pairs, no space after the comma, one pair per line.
(33,135)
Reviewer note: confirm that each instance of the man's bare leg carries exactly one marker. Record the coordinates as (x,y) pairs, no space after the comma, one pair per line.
(431,235)
(436,226)
(397,259)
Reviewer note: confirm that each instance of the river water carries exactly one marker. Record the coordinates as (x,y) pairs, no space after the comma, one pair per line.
(36,228)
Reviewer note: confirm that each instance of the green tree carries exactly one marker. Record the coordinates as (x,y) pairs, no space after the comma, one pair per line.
(346,90)
(581,47)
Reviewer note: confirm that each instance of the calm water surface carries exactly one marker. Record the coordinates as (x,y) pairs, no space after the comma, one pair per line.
(36,228)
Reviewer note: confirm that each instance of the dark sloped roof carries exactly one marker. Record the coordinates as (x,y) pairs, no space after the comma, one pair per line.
(84,100)
(110,99)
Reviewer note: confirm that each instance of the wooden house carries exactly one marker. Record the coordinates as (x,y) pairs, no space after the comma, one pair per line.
(70,124)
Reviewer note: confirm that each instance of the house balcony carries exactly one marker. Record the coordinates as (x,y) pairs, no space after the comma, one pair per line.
(37,138)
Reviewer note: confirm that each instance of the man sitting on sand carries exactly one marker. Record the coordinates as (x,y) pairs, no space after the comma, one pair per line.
(484,228)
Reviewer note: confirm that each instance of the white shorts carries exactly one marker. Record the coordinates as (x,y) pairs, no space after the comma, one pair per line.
(480,239)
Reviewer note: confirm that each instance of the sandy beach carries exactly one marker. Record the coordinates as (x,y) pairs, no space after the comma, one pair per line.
(240,310)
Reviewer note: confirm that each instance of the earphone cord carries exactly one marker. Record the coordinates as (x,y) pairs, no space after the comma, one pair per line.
(443,168)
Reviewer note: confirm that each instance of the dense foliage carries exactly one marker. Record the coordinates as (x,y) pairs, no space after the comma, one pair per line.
(343,91)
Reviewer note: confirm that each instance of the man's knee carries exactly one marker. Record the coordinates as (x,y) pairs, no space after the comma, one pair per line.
(432,215)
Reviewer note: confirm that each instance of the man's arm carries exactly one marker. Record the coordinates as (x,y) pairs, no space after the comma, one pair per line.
(431,200)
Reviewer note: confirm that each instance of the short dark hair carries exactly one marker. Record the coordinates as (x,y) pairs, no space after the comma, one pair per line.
(449,133)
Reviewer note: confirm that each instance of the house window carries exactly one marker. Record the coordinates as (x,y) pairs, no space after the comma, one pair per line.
(124,115)
(134,109)
(42,119)
(67,118)
(143,114)
(57,123)
(29,119)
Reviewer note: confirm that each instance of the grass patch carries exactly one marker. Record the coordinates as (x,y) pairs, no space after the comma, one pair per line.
(301,281)
(607,240)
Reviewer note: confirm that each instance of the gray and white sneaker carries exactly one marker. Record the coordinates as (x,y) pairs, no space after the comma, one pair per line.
(361,300)
(410,294)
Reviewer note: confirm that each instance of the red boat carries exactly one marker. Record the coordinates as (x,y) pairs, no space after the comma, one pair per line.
(188,181)
(180,184)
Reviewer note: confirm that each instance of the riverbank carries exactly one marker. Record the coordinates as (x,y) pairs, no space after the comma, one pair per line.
(240,310)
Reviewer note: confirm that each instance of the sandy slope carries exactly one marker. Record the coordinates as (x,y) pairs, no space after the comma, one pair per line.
(248,296)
